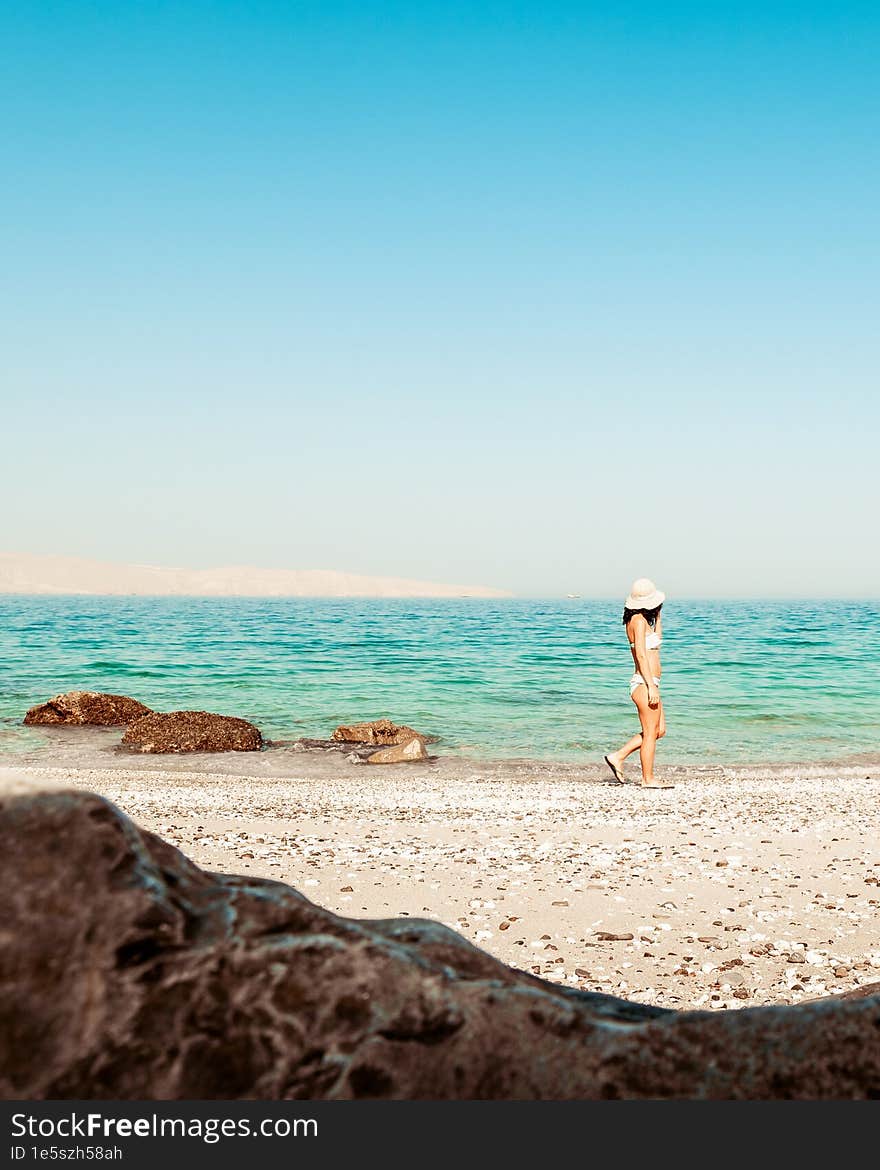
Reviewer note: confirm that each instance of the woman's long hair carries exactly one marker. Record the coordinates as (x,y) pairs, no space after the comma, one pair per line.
(649,614)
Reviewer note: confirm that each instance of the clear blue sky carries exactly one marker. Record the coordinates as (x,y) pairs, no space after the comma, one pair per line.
(538,295)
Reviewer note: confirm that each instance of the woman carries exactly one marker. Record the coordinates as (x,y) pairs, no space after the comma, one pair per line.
(644,629)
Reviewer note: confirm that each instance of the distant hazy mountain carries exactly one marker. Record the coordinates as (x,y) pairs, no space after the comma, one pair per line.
(23,573)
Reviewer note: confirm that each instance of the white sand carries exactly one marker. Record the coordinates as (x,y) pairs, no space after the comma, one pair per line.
(739,886)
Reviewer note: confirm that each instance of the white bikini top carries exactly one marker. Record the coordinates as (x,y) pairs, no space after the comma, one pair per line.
(653,641)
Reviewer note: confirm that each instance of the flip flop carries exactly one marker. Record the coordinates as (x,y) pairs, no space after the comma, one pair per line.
(618,775)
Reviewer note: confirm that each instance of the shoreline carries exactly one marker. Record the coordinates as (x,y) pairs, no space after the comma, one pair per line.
(98,748)
(741,886)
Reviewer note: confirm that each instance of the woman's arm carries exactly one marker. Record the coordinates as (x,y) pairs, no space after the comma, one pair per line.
(641,653)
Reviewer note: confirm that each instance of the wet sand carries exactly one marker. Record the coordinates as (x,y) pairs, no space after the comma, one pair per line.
(740,886)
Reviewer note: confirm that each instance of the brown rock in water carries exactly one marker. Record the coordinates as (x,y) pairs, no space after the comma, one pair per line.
(128,973)
(86,709)
(192,731)
(400,753)
(380,731)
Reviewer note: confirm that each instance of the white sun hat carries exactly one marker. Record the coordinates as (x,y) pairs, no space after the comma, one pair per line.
(644,594)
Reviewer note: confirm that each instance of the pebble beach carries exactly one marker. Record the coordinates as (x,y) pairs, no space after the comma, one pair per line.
(740,886)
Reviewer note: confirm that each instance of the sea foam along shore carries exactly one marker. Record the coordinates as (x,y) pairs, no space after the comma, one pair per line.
(741,886)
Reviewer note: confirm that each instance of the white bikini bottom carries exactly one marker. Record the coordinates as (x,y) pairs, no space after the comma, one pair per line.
(638,681)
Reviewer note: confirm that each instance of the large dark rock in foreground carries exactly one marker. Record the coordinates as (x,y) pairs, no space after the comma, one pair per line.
(86,709)
(126,972)
(191,731)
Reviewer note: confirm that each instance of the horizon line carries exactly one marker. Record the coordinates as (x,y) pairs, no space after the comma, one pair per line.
(510,596)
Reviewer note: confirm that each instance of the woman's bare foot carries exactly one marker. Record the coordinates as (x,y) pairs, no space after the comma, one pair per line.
(656,784)
(614,764)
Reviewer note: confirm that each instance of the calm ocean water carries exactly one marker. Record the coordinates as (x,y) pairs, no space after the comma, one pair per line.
(742,681)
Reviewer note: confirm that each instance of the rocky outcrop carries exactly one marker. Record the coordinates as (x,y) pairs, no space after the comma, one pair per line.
(126,972)
(191,731)
(86,709)
(400,753)
(380,731)
(864,992)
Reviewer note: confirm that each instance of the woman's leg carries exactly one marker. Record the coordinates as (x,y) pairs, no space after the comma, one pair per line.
(635,742)
(650,720)
(631,745)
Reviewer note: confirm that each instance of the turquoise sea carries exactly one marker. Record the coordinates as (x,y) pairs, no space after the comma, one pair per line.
(742,680)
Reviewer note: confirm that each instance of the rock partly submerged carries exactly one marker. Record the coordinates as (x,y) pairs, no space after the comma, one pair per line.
(156,732)
(127,972)
(191,731)
(381,732)
(86,709)
(400,753)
